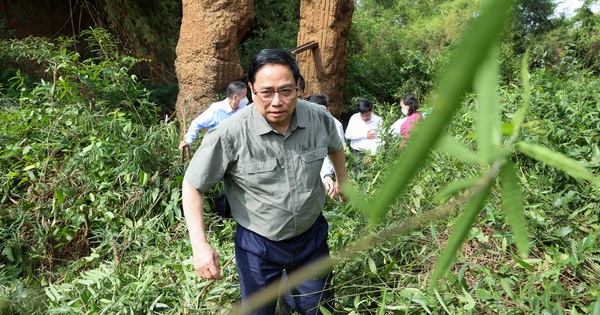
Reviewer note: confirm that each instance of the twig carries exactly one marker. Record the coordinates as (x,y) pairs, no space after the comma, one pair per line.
(211,281)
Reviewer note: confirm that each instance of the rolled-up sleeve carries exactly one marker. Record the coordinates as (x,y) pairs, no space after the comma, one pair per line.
(209,163)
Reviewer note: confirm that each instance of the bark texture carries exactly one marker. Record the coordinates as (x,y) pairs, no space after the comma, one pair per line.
(207,59)
(324,68)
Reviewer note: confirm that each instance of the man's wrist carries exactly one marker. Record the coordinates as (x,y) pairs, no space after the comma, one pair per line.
(327,175)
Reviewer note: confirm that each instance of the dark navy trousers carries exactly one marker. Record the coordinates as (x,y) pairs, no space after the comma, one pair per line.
(261,261)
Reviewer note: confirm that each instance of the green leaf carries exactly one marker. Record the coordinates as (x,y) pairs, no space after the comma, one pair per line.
(512,201)
(557,160)
(372,266)
(519,117)
(563,231)
(487,123)
(524,264)
(456,186)
(7,252)
(597,306)
(324,311)
(439,298)
(460,233)
(59,196)
(451,146)
(29,167)
(507,129)
(467,299)
(358,199)
(382,302)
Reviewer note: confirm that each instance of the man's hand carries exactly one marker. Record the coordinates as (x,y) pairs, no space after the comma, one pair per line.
(338,192)
(371,134)
(329,186)
(206,262)
(182,145)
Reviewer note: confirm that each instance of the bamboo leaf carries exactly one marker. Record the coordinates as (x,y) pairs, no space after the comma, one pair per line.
(372,266)
(460,233)
(519,116)
(487,123)
(557,160)
(454,187)
(358,199)
(512,201)
(457,79)
(597,306)
(451,146)
(382,303)
(524,264)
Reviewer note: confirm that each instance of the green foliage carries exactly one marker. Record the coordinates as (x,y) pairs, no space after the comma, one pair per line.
(532,17)
(504,203)
(396,47)
(83,159)
(275,25)
(146,29)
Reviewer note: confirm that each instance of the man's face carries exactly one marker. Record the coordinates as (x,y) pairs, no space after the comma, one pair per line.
(277,108)
(366,116)
(239,99)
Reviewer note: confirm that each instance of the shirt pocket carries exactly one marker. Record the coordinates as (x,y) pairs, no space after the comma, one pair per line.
(311,163)
(262,175)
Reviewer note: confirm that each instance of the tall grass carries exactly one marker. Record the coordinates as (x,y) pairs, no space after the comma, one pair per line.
(485,211)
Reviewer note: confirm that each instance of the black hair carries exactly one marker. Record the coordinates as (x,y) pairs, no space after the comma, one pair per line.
(235,88)
(302,83)
(269,56)
(412,103)
(319,99)
(365,106)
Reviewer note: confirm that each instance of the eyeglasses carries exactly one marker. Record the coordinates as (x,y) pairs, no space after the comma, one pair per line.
(285,94)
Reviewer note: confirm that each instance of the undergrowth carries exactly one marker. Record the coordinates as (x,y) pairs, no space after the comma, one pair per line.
(90,217)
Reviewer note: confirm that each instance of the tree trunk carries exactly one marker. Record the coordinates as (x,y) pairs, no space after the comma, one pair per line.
(324,68)
(207,59)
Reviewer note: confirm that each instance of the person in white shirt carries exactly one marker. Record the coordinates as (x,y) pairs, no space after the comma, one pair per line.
(217,112)
(362,130)
(327,168)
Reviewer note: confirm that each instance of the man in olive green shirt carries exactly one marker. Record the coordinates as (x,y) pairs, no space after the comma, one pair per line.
(269,156)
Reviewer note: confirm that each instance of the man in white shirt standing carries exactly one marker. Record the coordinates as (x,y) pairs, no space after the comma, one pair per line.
(217,112)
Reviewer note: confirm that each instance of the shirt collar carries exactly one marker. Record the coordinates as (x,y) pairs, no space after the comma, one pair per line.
(226,106)
(299,119)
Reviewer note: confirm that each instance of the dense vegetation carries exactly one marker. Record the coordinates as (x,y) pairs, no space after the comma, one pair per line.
(90,218)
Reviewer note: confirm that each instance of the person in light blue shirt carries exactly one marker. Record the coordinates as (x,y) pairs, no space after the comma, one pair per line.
(211,118)
(217,112)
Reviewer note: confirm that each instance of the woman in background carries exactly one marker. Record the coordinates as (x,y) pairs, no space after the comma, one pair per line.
(410,107)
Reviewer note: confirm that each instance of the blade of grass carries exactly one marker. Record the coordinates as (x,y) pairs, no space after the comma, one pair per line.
(454,187)
(450,145)
(487,124)
(462,228)
(512,201)
(557,160)
(519,116)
